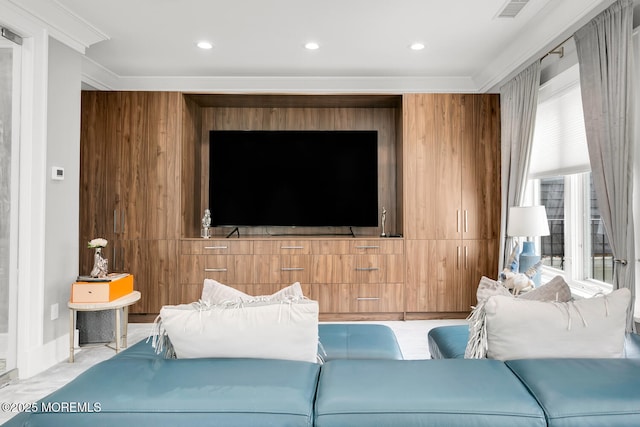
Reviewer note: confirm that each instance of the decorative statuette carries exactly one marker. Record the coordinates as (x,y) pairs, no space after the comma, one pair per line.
(382,220)
(100,265)
(206,224)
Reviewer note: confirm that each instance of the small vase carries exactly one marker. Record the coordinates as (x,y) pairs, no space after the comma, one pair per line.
(99,264)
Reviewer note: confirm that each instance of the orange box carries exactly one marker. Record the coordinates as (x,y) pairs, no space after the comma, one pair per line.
(102,291)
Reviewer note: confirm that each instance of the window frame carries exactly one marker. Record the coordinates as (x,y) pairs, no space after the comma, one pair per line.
(577,236)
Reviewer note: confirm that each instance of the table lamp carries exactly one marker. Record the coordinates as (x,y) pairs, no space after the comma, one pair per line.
(528,222)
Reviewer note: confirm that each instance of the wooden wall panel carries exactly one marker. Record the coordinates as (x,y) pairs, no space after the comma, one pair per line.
(481,174)
(291,118)
(191,184)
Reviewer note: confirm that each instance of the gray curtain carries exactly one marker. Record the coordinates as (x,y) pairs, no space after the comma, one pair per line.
(518,105)
(604,57)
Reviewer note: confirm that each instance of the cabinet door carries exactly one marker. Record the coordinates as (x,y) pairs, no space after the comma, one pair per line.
(100,121)
(481,260)
(432,164)
(148,170)
(481,168)
(434,270)
(153,264)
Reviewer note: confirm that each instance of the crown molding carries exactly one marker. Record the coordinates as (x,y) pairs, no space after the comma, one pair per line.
(538,39)
(61,23)
(101,78)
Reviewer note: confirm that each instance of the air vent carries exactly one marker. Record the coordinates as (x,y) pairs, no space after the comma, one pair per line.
(512,8)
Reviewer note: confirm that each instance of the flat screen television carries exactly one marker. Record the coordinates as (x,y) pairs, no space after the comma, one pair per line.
(293,178)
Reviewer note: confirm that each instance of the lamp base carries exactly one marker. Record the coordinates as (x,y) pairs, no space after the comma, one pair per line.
(528,259)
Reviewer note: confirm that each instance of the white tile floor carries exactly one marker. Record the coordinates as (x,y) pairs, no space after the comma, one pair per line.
(411,335)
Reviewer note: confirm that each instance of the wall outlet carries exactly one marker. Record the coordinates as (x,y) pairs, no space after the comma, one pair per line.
(54,311)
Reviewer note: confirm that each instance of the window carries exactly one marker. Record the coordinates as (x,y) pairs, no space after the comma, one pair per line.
(560,179)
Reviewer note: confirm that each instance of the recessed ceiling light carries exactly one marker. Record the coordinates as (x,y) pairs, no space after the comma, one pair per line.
(417,46)
(312,46)
(204,45)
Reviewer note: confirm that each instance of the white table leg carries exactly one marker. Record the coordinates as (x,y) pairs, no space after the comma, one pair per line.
(72,334)
(118,330)
(124,327)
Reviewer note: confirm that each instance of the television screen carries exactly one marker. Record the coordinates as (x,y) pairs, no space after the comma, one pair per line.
(293,178)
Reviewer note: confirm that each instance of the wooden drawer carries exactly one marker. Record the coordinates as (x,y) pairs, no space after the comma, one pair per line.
(226,269)
(350,298)
(330,246)
(332,298)
(216,247)
(379,246)
(282,269)
(374,269)
(286,247)
(377,298)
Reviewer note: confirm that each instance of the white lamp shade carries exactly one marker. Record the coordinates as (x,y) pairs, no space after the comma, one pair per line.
(527,221)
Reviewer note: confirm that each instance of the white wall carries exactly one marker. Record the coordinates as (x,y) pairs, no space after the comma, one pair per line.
(62,197)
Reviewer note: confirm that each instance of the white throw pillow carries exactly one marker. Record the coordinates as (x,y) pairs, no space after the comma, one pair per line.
(591,327)
(286,329)
(214,292)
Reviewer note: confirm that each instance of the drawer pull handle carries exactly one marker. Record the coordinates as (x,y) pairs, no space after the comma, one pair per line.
(367,269)
(291,247)
(216,247)
(368,247)
(367,299)
(292,269)
(215,270)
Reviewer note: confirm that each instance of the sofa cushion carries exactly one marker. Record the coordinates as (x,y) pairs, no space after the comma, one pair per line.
(423,392)
(521,329)
(584,392)
(286,329)
(448,342)
(196,392)
(632,346)
(357,341)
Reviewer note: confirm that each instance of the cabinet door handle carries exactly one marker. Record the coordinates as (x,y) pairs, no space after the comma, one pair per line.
(457,220)
(115,221)
(216,247)
(466,257)
(215,270)
(291,247)
(122,222)
(122,267)
(466,221)
(367,268)
(114,263)
(292,269)
(368,247)
(367,298)
(458,258)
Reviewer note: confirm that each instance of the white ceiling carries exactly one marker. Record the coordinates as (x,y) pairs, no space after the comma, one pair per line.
(258,44)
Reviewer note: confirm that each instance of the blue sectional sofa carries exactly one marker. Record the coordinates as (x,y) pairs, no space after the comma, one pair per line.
(363,382)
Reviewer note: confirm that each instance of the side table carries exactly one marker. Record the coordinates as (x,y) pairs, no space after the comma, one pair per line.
(123,302)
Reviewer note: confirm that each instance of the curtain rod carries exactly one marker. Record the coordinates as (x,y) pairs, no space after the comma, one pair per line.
(558,50)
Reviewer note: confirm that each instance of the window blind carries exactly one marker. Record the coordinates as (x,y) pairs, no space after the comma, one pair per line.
(559,139)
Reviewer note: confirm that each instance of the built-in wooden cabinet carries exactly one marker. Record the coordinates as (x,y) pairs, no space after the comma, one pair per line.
(143,186)
(343,275)
(451,145)
(129,178)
